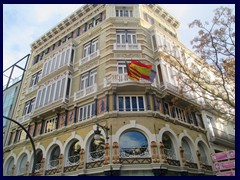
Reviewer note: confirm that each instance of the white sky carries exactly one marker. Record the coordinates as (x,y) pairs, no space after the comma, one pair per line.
(24,23)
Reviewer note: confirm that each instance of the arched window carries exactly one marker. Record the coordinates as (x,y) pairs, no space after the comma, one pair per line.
(203,155)
(168,147)
(9,166)
(133,144)
(53,161)
(96,150)
(73,156)
(22,164)
(187,151)
(39,157)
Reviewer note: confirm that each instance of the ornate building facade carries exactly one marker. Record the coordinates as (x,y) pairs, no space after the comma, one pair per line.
(77,78)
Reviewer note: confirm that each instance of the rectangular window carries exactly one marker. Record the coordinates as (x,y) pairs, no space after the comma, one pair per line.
(36,59)
(166,107)
(72,55)
(124,12)
(53,46)
(88,79)
(35,78)
(59,43)
(122,69)
(126,37)
(86,112)
(77,32)
(90,48)
(47,50)
(41,56)
(68,88)
(65,39)
(180,114)
(70,35)
(131,103)
(50,125)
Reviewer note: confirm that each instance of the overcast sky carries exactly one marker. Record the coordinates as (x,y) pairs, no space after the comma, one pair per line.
(23,23)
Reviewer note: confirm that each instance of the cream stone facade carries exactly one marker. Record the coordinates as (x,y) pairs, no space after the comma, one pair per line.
(76,77)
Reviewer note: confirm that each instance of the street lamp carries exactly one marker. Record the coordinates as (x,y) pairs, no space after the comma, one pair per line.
(31,141)
(97,132)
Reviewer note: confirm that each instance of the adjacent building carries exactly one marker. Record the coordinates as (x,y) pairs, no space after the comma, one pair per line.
(76,82)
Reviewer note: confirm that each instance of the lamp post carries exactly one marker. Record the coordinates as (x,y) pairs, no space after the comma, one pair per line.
(97,132)
(31,141)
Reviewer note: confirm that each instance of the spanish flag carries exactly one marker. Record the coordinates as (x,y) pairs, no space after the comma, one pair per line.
(132,74)
(137,70)
(143,69)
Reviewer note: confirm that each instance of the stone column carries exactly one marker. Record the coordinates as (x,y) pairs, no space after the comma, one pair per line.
(182,156)
(81,164)
(26,169)
(115,153)
(106,155)
(60,164)
(162,155)
(199,159)
(41,167)
(155,157)
(13,169)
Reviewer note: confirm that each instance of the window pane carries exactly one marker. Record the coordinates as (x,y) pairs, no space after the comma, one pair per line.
(127,103)
(134,39)
(134,103)
(118,39)
(120,70)
(123,39)
(120,103)
(93,109)
(80,114)
(53,65)
(58,61)
(42,97)
(141,104)
(67,56)
(133,144)
(84,112)
(62,59)
(47,95)
(62,87)
(129,39)
(52,93)
(57,90)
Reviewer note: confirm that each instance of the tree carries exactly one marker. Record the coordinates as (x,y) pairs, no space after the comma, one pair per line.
(211,76)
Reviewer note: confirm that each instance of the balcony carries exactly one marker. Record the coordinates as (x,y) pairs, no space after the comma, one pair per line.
(221,137)
(89,57)
(24,118)
(123,78)
(32,88)
(127,46)
(176,90)
(85,92)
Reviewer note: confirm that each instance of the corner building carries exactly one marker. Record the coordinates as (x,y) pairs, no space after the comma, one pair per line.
(76,78)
